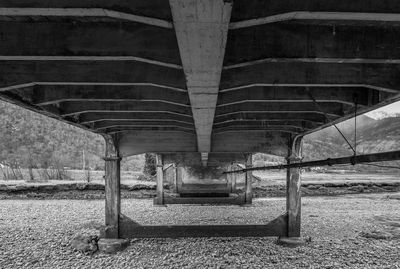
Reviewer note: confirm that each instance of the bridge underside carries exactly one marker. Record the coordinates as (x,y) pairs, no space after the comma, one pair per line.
(199,82)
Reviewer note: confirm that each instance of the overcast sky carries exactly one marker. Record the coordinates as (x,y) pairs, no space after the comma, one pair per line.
(390,109)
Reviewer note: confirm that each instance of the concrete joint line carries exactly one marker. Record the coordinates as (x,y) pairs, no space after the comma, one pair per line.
(83,12)
(306,15)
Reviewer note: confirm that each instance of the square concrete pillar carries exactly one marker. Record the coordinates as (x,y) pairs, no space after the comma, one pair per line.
(112,189)
(159,200)
(293,191)
(179,178)
(248,181)
(231,178)
(175,179)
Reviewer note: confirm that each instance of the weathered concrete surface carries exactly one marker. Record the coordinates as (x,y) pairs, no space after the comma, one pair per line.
(110,246)
(291,242)
(201,29)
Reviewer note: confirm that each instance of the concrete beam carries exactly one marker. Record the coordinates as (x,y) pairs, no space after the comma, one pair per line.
(31,85)
(52,94)
(93,40)
(89,59)
(295,94)
(216,159)
(306,125)
(138,142)
(224,144)
(313,60)
(380,76)
(154,8)
(121,130)
(310,85)
(82,12)
(270,116)
(319,16)
(73,108)
(283,112)
(87,118)
(269,142)
(315,44)
(14,73)
(139,123)
(252,9)
(272,129)
(141,126)
(329,108)
(118,100)
(201,29)
(278,101)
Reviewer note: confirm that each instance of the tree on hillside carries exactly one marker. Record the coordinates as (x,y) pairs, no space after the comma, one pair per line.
(150,164)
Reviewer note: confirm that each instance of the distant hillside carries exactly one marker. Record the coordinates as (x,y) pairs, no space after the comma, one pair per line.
(372,136)
(30,139)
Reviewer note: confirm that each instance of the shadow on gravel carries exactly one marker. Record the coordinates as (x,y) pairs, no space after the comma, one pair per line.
(390,228)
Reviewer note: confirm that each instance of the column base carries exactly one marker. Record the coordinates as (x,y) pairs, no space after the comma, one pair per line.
(158,203)
(110,246)
(291,242)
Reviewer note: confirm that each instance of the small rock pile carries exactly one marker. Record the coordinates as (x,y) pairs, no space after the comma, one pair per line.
(85,243)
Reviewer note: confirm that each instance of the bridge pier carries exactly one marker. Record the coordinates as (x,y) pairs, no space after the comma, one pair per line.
(286,226)
(293,197)
(293,190)
(111,240)
(249,180)
(159,200)
(112,188)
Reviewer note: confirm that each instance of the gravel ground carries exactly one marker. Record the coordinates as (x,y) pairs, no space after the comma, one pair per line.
(36,234)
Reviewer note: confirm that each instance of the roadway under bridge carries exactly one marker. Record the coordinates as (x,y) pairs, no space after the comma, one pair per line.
(202,83)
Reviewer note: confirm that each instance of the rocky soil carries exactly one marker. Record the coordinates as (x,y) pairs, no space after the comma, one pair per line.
(37,234)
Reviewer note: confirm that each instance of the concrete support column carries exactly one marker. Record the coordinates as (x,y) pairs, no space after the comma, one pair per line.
(234,181)
(248,181)
(159,200)
(231,178)
(175,180)
(179,178)
(293,190)
(112,188)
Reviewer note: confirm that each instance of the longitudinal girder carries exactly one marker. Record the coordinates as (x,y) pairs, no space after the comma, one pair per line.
(201,28)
